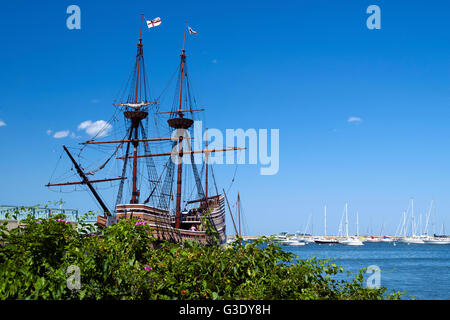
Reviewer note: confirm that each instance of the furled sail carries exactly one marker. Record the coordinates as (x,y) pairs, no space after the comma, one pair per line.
(134,105)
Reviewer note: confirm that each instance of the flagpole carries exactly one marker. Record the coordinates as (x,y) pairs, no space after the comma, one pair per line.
(139,59)
(184,39)
(142,20)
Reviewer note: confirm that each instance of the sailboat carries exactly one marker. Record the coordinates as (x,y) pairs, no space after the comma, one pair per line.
(347,240)
(371,238)
(435,239)
(413,239)
(303,239)
(438,239)
(173,213)
(324,239)
(383,237)
(294,241)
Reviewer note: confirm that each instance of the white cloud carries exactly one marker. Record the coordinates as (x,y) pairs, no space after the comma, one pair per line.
(84,125)
(2,123)
(214,61)
(49,132)
(99,128)
(354,119)
(61,134)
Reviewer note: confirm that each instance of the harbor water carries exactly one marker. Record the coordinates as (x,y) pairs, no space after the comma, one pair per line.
(423,271)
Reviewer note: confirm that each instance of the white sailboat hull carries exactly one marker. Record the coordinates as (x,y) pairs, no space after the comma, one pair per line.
(412,240)
(297,243)
(373,240)
(436,241)
(293,243)
(351,242)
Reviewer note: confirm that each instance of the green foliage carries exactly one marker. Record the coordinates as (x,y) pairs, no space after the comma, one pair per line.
(124,261)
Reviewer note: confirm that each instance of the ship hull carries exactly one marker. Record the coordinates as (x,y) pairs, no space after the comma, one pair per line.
(163,225)
(323,241)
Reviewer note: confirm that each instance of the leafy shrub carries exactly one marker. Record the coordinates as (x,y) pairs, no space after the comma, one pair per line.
(124,261)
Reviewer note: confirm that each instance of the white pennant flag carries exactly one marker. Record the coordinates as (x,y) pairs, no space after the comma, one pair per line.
(153,23)
(191,31)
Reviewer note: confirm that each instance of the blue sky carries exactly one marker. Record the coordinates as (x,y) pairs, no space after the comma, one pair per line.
(303,67)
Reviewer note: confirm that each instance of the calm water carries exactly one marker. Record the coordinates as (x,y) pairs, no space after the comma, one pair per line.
(423,271)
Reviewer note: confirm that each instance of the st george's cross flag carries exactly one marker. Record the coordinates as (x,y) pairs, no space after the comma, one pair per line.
(191,31)
(153,23)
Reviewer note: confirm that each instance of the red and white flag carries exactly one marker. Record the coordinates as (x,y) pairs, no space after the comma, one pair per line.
(191,31)
(153,23)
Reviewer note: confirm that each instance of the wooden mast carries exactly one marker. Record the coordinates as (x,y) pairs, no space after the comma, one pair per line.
(179,178)
(135,121)
(181,124)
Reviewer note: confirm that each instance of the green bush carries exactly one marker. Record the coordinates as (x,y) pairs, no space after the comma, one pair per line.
(123,261)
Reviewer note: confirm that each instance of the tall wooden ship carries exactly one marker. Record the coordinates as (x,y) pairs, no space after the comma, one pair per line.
(172,215)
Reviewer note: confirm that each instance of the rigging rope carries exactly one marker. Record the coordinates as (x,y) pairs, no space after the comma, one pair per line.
(56,166)
(214,180)
(92,172)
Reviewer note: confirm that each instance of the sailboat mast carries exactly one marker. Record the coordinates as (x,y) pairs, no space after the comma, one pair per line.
(413,227)
(357,223)
(346,219)
(404,224)
(239,214)
(206,174)
(428,217)
(325,220)
(419,227)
